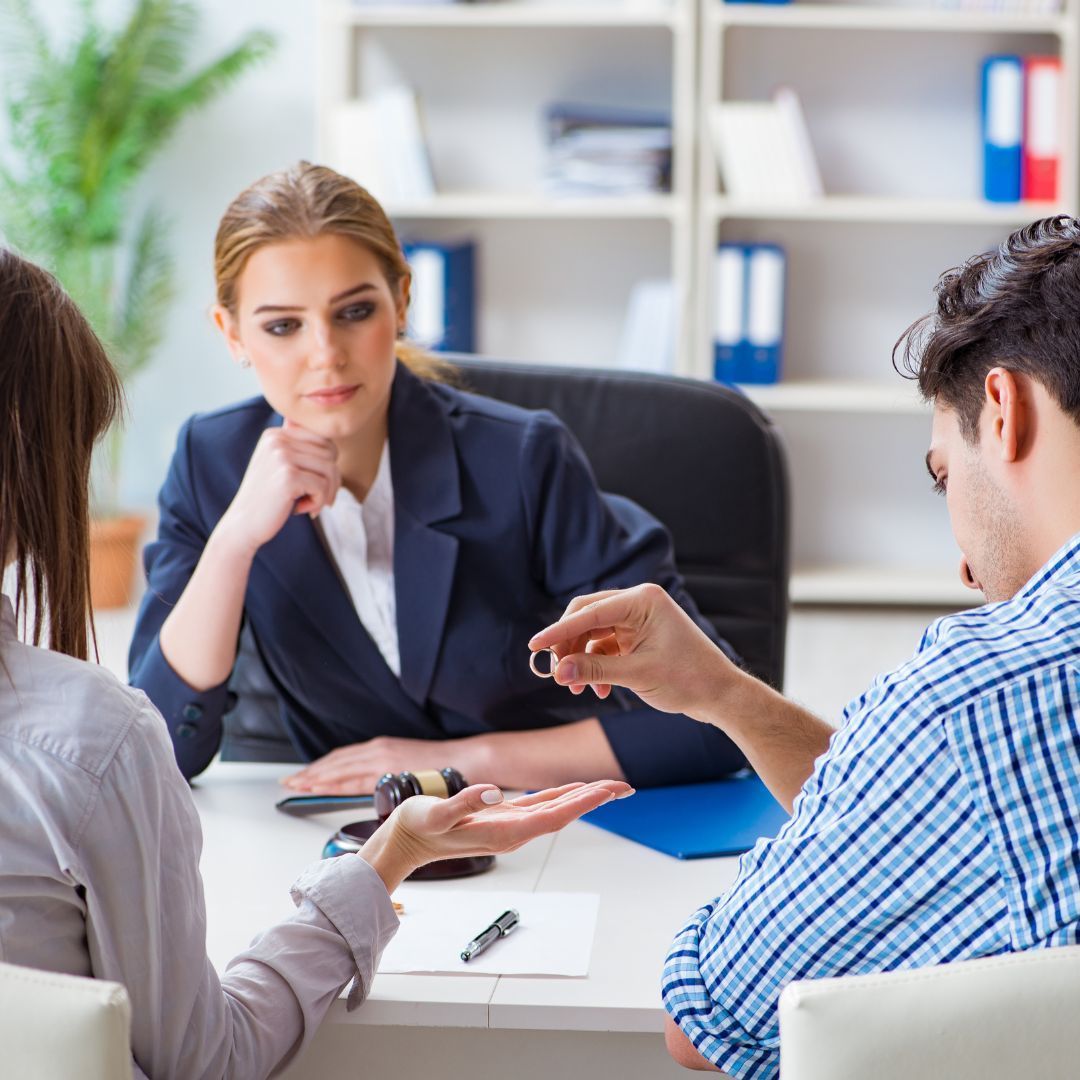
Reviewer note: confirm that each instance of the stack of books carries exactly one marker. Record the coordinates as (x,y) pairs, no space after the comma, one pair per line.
(748,312)
(1022,127)
(598,151)
(650,329)
(763,149)
(379,142)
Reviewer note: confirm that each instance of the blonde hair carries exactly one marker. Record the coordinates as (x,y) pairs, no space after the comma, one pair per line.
(303,202)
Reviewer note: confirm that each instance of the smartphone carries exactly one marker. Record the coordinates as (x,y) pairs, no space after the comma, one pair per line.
(303,805)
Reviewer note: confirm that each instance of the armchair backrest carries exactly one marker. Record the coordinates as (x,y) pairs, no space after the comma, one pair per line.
(54,1027)
(701,458)
(997,1018)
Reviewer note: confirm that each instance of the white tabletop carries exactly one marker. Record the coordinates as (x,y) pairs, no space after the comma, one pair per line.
(252,853)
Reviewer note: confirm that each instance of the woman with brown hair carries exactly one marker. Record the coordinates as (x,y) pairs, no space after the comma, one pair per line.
(99,838)
(383,542)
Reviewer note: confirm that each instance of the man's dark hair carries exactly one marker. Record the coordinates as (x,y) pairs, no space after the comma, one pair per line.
(1018,307)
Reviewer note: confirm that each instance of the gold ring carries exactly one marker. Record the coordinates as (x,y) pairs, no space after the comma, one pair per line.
(536,671)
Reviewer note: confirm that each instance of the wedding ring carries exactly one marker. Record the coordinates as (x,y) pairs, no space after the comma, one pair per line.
(536,671)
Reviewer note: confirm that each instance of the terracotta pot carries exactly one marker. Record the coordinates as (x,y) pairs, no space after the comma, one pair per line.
(114,552)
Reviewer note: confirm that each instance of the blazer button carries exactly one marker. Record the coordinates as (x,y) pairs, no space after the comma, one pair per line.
(191,712)
(187,731)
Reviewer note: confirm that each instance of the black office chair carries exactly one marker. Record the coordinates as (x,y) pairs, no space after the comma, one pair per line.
(701,458)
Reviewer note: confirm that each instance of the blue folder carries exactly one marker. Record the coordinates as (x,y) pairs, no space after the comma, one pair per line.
(695,821)
(1003,127)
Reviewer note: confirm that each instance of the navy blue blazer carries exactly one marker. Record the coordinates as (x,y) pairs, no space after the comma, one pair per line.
(498,524)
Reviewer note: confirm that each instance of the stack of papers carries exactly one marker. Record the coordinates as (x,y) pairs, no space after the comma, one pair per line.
(607,152)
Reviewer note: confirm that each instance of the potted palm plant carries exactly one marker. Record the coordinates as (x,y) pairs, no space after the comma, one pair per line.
(85,119)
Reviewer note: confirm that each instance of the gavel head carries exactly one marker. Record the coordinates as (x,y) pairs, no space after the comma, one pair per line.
(392,790)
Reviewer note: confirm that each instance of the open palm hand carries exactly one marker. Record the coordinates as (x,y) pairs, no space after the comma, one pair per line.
(479,821)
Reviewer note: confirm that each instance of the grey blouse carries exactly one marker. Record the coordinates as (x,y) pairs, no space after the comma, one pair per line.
(99,857)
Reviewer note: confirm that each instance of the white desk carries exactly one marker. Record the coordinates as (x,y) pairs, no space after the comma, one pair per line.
(478,1026)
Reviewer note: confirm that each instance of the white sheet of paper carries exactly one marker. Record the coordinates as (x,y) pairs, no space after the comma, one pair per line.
(555,936)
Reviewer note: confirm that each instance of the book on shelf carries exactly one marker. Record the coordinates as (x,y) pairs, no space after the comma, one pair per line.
(1003,127)
(378,140)
(1043,135)
(442,312)
(748,312)
(607,151)
(647,342)
(1022,112)
(763,149)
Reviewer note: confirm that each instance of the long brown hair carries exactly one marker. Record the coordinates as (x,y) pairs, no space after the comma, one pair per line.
(303,202)
(58,394)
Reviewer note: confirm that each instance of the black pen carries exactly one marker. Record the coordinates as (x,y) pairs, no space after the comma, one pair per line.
(499,928)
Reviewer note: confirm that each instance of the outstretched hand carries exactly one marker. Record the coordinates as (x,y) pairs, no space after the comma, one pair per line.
(638,638)
(477,821)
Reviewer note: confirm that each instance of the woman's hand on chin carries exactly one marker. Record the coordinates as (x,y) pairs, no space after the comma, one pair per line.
(292,471)
(477,821)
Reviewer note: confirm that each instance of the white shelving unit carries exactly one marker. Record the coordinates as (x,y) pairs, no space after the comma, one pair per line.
(837,396)
(473,207)
(891,96)
(872,586)
(882,210)
(890,93)
(554,274)
(850,16)
(514,15)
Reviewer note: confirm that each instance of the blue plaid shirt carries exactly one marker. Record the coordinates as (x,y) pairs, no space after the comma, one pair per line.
(943,823)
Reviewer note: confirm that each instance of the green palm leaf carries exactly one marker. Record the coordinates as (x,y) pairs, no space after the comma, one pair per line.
(86,120)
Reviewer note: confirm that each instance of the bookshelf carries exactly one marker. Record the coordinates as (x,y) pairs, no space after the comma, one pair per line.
(554,274)
(882,210)
(891,96)
(850,16)
(474,207)
(890,93)
(837,396)
(649,13)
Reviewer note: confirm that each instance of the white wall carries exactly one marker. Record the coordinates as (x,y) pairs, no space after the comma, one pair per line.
(266,121)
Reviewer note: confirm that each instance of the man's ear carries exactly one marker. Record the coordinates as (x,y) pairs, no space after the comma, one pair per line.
(224,321)
(1008,412)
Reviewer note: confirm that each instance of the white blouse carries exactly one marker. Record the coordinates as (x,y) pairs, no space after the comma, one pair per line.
(99,875)
(360,536)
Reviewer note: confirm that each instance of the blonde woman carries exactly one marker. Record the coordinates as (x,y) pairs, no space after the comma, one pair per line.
(99,839)
(386,541)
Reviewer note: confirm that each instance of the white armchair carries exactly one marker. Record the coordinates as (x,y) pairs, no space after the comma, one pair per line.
(55,1027)
(1001,1018)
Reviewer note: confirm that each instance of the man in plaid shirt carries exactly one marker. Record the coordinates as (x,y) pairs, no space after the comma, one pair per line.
(941,821)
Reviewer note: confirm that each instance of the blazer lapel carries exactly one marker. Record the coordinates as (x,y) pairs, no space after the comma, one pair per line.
(424,470)
(298,560)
